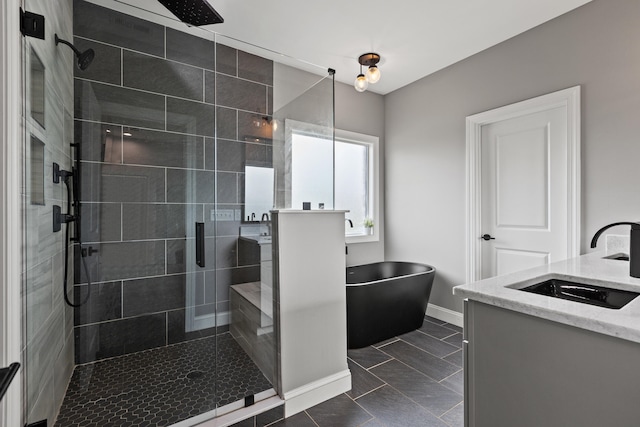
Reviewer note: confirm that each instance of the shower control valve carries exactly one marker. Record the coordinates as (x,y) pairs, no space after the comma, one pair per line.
(59,218)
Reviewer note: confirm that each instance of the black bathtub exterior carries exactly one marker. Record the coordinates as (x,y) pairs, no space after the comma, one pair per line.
(386,299)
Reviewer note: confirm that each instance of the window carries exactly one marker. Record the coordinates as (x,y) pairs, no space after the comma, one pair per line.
(353,164)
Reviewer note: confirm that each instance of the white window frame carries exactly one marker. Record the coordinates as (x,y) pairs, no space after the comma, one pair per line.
(294,126)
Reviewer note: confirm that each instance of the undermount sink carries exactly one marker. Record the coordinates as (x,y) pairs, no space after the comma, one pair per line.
(619,257)
(582,292)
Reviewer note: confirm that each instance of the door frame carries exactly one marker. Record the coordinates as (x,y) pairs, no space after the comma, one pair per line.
(568,98)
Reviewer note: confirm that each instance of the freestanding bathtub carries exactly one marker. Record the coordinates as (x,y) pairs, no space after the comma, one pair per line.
(386,299)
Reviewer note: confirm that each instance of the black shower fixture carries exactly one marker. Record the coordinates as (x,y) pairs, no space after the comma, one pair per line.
(193,12)
(84,58)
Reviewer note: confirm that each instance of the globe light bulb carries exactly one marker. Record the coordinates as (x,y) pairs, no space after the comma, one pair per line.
(361,83)
(373,74)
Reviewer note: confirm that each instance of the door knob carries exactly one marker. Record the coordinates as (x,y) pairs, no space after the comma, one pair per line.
(487,237)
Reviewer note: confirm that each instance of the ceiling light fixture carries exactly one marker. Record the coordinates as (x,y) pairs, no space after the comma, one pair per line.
(373,72)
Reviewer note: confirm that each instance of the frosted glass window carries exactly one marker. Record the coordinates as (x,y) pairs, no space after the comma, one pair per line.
(321,171)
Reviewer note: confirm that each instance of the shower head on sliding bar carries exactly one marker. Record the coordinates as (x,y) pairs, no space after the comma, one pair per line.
(193,12)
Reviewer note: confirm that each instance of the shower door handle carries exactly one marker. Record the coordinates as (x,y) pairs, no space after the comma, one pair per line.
(200,244)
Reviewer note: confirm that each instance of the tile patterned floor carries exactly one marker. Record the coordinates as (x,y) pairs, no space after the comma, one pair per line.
(412,380)
(162,386)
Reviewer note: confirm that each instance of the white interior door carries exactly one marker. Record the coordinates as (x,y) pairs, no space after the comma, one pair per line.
(524,191)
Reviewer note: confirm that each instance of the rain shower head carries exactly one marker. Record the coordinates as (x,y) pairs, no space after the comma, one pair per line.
(84,58)
(193,12)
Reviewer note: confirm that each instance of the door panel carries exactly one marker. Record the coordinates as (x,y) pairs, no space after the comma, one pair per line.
(508,260)
(524,191)
(522,179)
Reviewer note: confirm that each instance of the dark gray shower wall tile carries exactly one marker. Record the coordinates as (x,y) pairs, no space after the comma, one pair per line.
(190,49)
(254,127)
(248,252)
(230,155)
(194,118)
(209,87)
(189,186)
(225,250)
(112,104)
(155,148)
(177,330)
(258,155)
(115,28)
(227,123)
(255,68)
(241,94)
(158,75)
(104,303)
(159,221)
(145,296)
(177,256)
(98,142)
(217,282)
(270,100)
(101,222)
(116,183)
(228,187)
(114,338)
(226,59)
(106,66)
(125,260)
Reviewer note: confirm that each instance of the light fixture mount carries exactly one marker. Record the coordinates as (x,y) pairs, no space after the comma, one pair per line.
(369,59)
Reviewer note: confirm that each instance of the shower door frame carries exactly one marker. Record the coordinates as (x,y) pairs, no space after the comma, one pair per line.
(10,245)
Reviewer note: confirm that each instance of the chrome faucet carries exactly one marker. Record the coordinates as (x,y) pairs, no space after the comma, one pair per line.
(634,247)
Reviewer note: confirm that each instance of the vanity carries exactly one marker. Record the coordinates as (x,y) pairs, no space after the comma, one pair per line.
(557,356)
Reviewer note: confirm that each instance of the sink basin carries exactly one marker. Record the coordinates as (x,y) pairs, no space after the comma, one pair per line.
(619,257)
(584,293)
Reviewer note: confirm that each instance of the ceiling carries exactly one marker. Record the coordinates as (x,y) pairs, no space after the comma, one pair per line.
(414,37)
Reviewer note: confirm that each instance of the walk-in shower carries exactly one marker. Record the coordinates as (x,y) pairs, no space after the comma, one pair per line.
(152,145)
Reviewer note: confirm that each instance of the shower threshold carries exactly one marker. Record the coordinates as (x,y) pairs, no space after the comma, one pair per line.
(163,386)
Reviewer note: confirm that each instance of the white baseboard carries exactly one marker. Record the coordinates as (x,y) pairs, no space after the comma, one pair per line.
(445,315)
(301,398)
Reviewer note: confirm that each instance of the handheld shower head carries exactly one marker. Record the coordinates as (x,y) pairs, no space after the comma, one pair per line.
(84,58)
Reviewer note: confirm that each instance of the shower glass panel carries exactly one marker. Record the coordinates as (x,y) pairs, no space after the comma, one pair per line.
(169,278)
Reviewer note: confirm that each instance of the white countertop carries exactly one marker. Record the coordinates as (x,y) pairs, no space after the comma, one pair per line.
(503,291)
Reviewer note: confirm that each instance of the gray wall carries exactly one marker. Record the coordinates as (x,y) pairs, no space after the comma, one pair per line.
(592,46)
(48,321)
(355,112)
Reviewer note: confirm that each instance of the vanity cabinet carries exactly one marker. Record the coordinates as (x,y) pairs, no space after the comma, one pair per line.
(526,371)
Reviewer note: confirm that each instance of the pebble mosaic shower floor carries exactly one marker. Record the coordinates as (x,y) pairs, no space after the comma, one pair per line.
(162,386)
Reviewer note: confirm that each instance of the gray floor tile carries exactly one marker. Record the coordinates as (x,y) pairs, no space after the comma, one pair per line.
(428,343)
(298,420)
(367,356)
(455,358)
(373,423)
(385,342)
(452,326)
(436,331)
(391,408)
(339,411)
(455,382)
(361,380)
(422,361)
(428,393)
(434,320)
(455,340)
(455,417)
